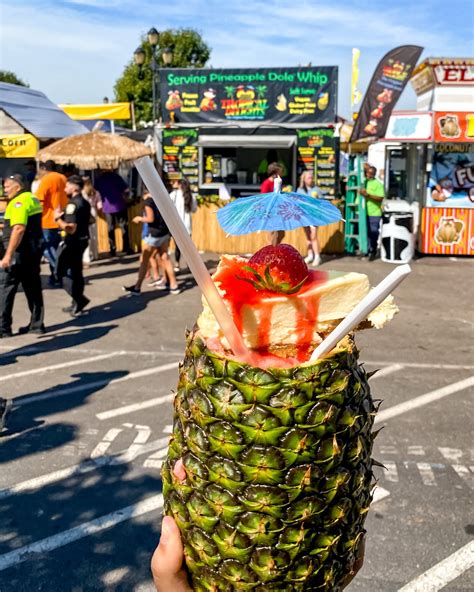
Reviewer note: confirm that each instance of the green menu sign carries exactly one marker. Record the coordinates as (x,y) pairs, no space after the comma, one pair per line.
(280,95)
(318,151)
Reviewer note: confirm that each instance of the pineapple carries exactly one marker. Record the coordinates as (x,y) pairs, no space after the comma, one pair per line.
(279,473)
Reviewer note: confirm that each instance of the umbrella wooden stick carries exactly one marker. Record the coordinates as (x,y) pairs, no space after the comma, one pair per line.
(170,214)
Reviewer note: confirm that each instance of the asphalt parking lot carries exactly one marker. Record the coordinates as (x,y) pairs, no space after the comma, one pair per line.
(80,489)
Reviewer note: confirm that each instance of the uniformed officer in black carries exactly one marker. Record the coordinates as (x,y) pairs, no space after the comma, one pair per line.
(74,224)
(20,257)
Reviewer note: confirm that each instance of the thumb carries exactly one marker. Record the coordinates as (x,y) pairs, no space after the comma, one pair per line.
(167,564)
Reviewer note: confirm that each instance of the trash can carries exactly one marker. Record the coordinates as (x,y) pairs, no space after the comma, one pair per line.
(397,237)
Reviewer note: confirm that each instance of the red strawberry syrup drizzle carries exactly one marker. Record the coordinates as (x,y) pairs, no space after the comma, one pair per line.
(239,293)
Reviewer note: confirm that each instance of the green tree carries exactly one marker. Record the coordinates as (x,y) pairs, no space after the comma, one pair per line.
(11,77)
(189,50)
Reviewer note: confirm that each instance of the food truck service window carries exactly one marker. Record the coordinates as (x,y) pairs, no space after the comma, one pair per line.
(240,162)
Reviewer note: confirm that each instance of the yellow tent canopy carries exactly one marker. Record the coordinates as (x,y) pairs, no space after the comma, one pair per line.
(100,111)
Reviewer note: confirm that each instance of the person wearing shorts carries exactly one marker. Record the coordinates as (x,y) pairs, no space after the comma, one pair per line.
(155,244)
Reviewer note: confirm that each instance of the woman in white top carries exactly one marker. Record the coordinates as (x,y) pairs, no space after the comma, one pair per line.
(308,187)
(186,205)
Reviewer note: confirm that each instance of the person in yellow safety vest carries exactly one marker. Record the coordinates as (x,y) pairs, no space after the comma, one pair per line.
(22,249)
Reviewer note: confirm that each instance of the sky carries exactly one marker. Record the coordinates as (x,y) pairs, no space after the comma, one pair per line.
(74,50)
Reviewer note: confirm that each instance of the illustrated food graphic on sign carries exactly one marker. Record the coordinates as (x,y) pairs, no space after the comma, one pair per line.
(371,127)
(377,112)
(323,101)
(282,103)
(385,96)
(449,231)
(174,100)
(245,93)
(449,126)
(208,103)
(315,141)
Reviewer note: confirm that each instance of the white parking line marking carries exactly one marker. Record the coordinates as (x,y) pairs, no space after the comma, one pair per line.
(465,474)
(63,365)
(387,370)
(452,454)
(144,432)
(80,350)
(391,474)
(135,407)
(444,572)
(121,457)
(427,474)
(107,440)
(388,450)
(379,494)
(156,459)
(74,534)
(430,397)
(416,450)
(421,365)
(95,385)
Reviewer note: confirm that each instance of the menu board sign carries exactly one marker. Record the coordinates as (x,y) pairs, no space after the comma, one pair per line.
(296,95)
(180,155)
(318,152)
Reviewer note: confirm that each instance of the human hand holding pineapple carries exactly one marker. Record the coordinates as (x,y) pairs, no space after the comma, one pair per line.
(167,564)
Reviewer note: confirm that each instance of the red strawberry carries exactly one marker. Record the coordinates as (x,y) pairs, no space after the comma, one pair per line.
(278,269)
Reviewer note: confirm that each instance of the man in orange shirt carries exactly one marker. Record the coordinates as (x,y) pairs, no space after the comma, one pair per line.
(51,192)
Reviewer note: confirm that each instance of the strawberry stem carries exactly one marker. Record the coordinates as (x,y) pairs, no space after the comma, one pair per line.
(267,283)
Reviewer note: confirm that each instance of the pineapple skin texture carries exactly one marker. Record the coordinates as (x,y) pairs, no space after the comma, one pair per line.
(279,470)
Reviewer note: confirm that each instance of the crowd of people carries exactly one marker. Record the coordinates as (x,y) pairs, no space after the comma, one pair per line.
(55,222)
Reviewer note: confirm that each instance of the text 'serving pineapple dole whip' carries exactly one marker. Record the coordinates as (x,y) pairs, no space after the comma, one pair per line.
(277,452)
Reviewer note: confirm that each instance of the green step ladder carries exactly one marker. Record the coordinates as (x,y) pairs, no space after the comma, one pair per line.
(356,239)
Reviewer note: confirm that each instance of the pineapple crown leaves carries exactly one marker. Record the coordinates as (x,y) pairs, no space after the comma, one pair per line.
(268,283)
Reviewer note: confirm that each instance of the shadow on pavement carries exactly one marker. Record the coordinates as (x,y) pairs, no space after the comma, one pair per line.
(26,419)
(47,343)
(113,273)
(123,306)
(115,559)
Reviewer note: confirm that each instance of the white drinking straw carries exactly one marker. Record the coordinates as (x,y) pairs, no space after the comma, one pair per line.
(362,310)
(170,214)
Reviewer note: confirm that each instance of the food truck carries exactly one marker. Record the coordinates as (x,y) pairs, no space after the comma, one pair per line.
(430,155)
(221,128)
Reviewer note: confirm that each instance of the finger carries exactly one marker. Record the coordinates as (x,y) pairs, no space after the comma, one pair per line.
(167,564)
(179,470)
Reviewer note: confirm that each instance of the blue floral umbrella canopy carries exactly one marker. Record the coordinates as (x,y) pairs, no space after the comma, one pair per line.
(276,211)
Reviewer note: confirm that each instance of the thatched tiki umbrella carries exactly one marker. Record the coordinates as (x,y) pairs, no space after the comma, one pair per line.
(94,150)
